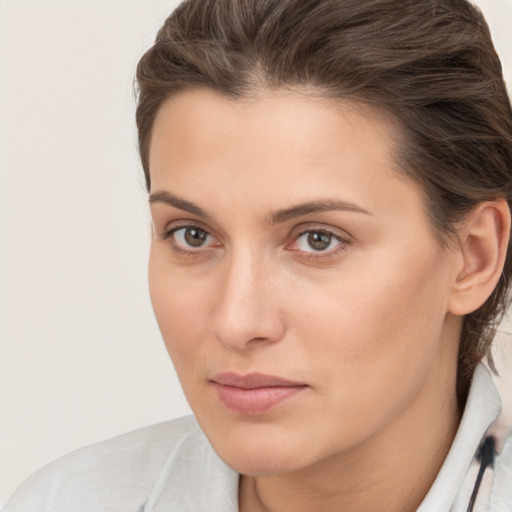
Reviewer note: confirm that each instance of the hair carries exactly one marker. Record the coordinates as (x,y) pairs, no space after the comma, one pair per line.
(430,64)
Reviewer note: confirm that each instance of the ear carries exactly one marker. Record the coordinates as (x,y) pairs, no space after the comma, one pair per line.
(483,239)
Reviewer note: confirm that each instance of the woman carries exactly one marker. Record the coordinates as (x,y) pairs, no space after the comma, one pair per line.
(330,187)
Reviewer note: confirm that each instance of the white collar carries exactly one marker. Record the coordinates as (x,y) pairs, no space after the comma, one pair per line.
(482,408)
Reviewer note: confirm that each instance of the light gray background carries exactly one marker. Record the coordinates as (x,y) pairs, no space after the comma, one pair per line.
(81,356)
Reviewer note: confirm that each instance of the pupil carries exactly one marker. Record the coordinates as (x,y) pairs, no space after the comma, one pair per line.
(195,237)
(319,241)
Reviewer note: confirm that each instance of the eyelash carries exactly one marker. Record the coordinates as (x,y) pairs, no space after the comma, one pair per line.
(344,242)
(168,236)
(311,256)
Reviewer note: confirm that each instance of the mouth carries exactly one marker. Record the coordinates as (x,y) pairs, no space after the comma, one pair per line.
(255,393)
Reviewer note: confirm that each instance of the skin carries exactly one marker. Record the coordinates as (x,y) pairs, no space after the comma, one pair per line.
(364,324)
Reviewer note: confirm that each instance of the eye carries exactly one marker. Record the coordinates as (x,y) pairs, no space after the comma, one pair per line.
(191,236)
(189,239)
(317,241)
(320,245)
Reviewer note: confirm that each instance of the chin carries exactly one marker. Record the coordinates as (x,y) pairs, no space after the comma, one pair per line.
(259,462)
(269,451)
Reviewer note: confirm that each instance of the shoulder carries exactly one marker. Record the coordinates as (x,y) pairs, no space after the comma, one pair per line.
(113,475)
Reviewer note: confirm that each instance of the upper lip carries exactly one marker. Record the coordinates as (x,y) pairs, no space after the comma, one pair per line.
(252,380)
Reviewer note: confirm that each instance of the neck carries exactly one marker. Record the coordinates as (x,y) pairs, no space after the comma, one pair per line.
(392,470)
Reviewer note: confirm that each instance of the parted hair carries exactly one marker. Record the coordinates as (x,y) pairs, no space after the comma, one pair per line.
(430,64)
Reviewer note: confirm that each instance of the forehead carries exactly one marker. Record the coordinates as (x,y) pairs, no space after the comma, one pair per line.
(296,115)
(284,140)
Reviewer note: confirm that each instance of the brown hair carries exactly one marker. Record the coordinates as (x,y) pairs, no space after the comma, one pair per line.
(430,63)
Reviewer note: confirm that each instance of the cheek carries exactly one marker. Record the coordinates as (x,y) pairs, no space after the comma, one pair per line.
(381,315)
(370,340)
(181,306)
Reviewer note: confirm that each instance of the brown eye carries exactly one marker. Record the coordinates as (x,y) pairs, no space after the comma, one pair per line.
(191,237)
(195,237)
(319,240)
(319,244)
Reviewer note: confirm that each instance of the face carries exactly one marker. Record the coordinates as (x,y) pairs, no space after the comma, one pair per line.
(294,276)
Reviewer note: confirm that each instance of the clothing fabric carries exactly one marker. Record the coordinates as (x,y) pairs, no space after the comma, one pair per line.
(172,467)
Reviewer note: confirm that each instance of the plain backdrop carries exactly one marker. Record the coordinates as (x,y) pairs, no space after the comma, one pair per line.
(81,356)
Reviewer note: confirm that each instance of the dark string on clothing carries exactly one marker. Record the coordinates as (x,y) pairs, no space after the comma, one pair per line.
(486,457)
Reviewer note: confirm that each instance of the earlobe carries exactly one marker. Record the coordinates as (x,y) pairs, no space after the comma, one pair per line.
(483,240)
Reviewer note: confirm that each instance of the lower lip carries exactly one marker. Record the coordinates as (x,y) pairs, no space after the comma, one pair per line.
(253,402)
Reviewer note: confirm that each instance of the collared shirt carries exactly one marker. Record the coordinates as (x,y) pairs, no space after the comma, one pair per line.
(172,467)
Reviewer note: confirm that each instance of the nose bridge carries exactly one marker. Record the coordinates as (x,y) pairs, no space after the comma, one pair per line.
(246,309)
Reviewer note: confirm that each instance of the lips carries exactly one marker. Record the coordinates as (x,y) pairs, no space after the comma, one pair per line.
(255,393)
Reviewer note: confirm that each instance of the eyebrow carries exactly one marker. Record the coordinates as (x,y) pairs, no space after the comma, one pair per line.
(313,207)
(276,217)
(165,197)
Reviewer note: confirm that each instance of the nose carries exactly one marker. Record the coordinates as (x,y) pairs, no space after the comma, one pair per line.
(247,312)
